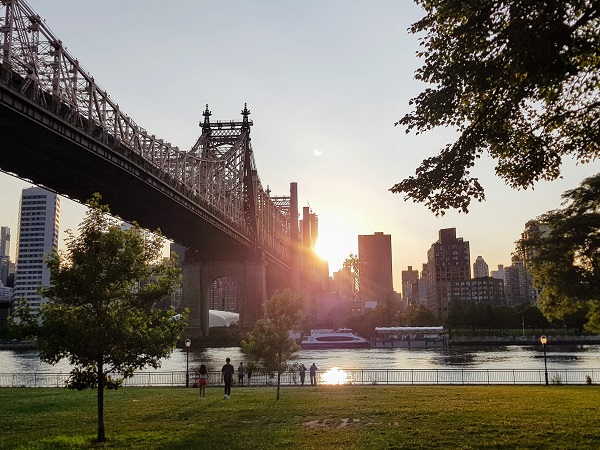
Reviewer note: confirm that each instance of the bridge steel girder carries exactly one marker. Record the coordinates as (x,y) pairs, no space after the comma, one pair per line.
(36,145)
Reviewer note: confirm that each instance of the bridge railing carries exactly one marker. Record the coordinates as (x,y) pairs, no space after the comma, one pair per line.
(346,377)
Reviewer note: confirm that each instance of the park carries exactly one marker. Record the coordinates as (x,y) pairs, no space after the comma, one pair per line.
(343,417)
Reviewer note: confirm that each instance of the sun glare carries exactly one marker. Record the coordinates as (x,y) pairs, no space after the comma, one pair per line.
(335,375)
(335,245)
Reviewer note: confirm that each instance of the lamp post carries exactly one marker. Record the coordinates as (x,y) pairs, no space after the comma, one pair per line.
(187,363)
(544,341)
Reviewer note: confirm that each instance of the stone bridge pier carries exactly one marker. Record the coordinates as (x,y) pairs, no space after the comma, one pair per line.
(255,281)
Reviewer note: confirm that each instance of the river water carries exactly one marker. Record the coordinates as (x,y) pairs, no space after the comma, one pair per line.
(502,357)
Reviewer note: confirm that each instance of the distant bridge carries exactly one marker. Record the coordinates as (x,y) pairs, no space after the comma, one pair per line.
(61,130)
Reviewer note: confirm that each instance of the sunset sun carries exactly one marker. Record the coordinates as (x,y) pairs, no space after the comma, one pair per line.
(335,243)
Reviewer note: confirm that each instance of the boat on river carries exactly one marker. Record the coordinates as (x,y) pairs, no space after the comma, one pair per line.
(327,339)
(410,337)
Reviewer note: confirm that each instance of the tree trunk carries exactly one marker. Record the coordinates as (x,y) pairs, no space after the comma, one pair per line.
(278,383)
(278,373)
(101,433)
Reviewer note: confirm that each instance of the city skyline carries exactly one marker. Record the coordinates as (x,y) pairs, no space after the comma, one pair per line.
(325,81)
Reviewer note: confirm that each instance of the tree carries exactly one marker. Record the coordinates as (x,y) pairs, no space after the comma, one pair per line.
(100,313)
(420,316)
(518,79)
(383,315)
(269,343)
(564,261)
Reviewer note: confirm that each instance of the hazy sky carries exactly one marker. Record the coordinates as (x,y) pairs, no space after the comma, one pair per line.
(325,82)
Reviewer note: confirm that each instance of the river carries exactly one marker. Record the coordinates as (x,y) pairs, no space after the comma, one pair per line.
(501,357)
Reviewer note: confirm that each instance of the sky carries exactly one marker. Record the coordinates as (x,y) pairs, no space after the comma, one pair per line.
(325,80)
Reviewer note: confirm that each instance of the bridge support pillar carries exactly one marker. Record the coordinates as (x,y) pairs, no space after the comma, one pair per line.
(193,299)
(251,291)
(254,295)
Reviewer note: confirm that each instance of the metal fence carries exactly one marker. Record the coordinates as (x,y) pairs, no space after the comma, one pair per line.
(342,377)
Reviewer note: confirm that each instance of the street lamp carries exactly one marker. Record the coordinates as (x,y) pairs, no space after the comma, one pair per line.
(544,341)
(187,363)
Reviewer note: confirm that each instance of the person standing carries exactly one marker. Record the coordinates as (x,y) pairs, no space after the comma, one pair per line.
(302,374)
(249,372)
(241,374)
(202,380)
(313,374)
(227,372)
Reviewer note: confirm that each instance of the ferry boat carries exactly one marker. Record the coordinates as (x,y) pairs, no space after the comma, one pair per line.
(410,337)
(340,338)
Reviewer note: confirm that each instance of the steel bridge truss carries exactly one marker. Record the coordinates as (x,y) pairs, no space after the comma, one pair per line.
(218,173)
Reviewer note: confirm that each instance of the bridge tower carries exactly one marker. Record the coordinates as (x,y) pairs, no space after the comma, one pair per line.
(255,275)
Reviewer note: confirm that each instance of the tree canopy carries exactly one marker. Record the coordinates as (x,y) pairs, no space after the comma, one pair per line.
(564,256)
(519,80)
(101,312)
(269,343)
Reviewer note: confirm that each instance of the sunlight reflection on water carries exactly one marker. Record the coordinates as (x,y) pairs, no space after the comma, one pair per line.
(335,375)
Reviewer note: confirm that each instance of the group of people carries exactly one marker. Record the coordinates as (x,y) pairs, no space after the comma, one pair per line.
(312,372)
(228,372)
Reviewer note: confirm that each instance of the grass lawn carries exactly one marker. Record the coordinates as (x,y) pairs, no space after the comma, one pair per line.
(323,417)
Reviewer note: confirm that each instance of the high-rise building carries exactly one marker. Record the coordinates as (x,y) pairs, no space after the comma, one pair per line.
(480,268)
(481,290)
(532,228)
(314,271)
(4,255)
(37,237)
(518,288)
(498,274)
(410,286)
(448,260)
(421,298)
(343,283)
(375,255)
(4,241)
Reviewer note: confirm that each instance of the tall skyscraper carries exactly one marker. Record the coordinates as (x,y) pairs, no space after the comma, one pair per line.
(517,277)
(480,268)
(518,289)
(4,255)
(448,260)
(4,241)
(375,254)
(38,235)
(410,286)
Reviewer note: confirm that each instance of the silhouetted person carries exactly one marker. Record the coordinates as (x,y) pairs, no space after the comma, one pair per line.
(313,374)
(241,374)
(202,380)
(302,374)
(227,372)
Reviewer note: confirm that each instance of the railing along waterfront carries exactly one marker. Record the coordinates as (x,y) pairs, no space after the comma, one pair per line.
(343,377)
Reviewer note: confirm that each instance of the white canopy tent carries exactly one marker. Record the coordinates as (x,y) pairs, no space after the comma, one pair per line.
(222,318)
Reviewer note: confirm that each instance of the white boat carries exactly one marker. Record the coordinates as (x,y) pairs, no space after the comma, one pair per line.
(410,337)
(340,338)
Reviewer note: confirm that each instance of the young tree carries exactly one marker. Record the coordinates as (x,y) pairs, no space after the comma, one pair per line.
(565,261)
(269,344)
(101,313)
(518,79)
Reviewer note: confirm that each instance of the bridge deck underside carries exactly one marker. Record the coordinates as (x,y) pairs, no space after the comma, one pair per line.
(54,154)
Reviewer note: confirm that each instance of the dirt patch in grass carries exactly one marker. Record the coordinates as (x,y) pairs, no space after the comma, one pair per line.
(331,423)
